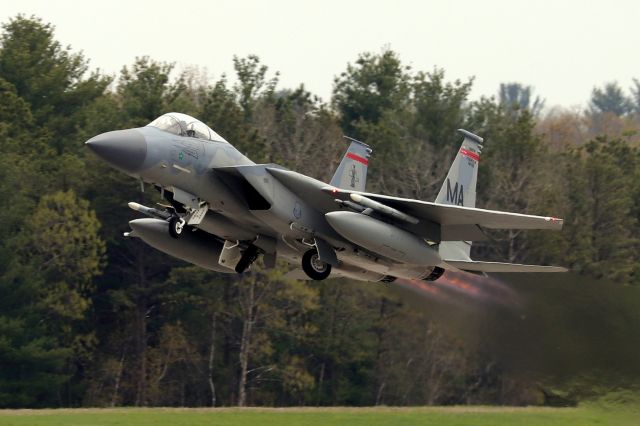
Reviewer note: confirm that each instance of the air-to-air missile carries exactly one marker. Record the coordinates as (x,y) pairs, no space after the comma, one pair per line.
(150,211)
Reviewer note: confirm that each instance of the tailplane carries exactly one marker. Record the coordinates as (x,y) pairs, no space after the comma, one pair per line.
(352,171)
(497,267)
(459,189)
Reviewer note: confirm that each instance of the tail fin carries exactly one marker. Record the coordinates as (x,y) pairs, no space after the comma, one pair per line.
(459,189)
(352,171)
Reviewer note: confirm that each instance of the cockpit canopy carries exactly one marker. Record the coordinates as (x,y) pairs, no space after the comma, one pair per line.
(185,125)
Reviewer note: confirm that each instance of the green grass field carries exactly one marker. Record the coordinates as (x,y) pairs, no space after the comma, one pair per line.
(326,416)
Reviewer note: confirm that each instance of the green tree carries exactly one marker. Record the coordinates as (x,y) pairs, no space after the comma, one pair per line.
(607,197)
(271,313)
(62,237)
(15,115)
(609,98)
(439,107)
(48,288)
(221,110)
(145,91)
(515,97)
(513,160)
(300,132)
(50,78)
(368,88)
(635,95)
(252,82)
(414,135)
(201,298)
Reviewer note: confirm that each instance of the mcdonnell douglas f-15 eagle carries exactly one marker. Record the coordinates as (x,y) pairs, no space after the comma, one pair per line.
(224,211)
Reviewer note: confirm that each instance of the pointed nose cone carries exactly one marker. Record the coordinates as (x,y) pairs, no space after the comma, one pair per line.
(123,149)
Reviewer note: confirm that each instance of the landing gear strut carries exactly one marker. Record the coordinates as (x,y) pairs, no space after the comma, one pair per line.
(248,257)
(435,274)
(176,226)
(315,268)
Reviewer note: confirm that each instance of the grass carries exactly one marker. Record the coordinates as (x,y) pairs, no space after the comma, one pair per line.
(464,415)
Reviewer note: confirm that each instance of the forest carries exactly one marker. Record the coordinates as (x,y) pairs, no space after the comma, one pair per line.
(89,318)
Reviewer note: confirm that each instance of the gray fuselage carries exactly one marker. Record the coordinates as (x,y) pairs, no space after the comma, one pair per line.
(246,203)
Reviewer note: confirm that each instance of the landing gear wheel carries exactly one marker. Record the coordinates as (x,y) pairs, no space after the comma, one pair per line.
(315,268)
(176,226)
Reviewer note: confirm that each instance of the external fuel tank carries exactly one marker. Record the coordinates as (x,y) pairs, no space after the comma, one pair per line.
(383,238)
(194,247)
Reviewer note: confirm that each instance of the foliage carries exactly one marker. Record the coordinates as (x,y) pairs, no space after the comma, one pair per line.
(90,318)
(50,78)
(516,97)
(375,84)
(611,99)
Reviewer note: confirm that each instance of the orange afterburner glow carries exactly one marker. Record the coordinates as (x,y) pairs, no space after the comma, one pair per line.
(460,287)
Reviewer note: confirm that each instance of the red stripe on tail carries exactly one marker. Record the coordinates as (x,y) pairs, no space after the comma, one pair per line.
(357,158)
(469,154)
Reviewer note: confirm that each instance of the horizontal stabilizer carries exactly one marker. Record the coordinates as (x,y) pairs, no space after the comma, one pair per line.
(470,265)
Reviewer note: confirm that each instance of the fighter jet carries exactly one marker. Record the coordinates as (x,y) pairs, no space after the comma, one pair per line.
(223,211)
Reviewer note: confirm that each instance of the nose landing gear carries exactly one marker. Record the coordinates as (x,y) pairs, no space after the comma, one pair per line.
(176,226)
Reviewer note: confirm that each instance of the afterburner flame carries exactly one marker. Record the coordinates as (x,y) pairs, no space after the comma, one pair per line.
(462,287)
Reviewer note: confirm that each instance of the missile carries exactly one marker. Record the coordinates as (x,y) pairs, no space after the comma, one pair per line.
(193,247)
(350,204)
(149,211)
(382,238)
(383,208)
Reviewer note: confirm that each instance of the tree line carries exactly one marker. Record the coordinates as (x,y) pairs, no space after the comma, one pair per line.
(88,318)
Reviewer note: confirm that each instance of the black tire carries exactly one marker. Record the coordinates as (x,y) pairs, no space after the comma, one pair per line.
(176,227)
(311,266)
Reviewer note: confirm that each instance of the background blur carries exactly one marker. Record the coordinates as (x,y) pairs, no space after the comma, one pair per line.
(90,318)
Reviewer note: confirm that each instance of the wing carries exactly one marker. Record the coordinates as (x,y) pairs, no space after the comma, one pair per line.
(457,218)
(457,222)
(450,215)
(474,266)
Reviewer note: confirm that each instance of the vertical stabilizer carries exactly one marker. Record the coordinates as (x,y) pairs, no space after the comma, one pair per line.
(352,171)
(459,188)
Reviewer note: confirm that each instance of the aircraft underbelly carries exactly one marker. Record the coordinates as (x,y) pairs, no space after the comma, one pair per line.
(288,217)
(384,266)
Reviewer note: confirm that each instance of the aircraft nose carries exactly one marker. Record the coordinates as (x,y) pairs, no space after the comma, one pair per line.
(123,149)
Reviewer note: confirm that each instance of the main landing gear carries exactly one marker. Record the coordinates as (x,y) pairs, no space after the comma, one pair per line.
(315,268)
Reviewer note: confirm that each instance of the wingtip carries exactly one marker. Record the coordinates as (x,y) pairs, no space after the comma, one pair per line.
(559,223)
